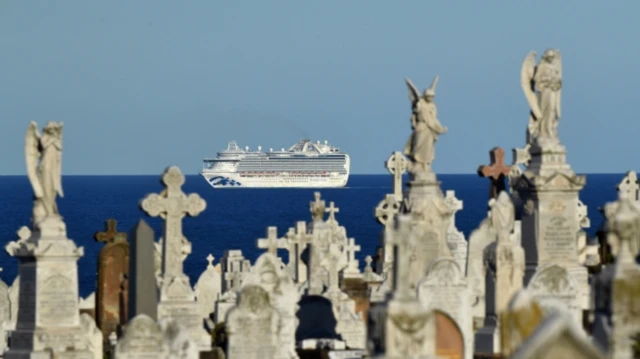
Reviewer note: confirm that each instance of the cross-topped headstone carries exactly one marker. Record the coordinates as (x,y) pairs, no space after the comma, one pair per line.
(387,209)
(172,205)
(234,277)
(334,263)
(111,234)
(496,172)
(317,207)
(272,242)
(397,166)
(332,210)
(629,186)
(351,248)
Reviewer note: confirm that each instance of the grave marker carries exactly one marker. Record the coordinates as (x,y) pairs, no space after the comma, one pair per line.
(497,171)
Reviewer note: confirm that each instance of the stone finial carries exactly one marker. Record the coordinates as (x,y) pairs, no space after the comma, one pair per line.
(210,259)
(368,260)
(497,171)
(317,208)
(111,233)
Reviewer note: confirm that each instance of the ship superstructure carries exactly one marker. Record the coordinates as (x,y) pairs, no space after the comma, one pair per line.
(305,164)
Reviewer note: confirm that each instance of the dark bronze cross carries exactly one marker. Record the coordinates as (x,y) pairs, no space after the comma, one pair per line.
(111,234)
(496,172)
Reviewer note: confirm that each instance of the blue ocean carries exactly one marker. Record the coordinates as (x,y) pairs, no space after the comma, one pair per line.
(235,218)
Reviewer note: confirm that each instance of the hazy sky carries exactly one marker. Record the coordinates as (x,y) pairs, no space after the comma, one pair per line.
(141,85)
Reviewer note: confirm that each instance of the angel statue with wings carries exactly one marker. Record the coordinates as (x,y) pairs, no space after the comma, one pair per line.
(44,158)
(546,78)
(426,128)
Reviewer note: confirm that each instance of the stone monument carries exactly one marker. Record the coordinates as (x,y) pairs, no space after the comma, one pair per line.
(177,298)
(49,319)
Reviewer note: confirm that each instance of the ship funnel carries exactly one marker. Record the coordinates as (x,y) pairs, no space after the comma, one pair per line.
(326,142)
(259,148)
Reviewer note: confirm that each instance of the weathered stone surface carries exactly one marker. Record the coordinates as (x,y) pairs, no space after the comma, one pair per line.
(143,292)
(142,339)
(113,266)
(518,321)
(554,287)
(254,317)
(208,288)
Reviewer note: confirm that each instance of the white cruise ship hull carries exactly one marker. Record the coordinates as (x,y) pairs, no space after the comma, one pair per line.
(235,180)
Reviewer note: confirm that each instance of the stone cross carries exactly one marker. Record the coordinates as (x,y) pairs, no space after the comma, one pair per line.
(351,249)
(317,208)
(334,263)
(332,210)
(111,234)
(397,166)
(172,205)
(496,172)
(629,186)
(234,277)
(387,209)
(272,242)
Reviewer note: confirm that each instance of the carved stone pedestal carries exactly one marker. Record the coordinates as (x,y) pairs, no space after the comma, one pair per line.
(49,320)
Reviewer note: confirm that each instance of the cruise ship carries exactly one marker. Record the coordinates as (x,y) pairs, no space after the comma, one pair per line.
(304,165)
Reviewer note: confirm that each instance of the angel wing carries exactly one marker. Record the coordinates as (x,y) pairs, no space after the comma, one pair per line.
(434,83)
(414,95)
(32,155)
(527,72)
(58,168)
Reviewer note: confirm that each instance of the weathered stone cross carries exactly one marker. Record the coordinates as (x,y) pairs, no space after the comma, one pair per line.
(272,242)
(317,208)
(387,209)
(111,234)
(332,210)
(334,263)
(454,205)
(351,248)
(496,172)
(397,166)
(298,240)
(234,277)
(172,205)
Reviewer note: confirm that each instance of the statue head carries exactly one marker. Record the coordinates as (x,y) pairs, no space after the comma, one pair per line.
(550,55)
(429,94)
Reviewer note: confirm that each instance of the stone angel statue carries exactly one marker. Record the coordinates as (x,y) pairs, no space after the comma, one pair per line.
(44,158)
(546,78)
(420,148)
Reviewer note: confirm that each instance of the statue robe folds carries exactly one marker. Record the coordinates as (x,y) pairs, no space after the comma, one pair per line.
(426,128)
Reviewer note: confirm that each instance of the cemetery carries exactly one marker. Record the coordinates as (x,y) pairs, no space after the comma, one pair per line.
(527,283)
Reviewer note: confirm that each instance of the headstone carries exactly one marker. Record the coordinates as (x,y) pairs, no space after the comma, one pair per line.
(298,241)
(385,213)
(444,289)
(95,342)
(177,299)
(208,289)
(617,310)
(142,339)
(113,263)
(557,337)
(458,245)
(479,240)
(353,266)
(143,292)
(554,287)
(496,172)
(179,340)
(252,326)
(235,267)
(88,305)
(401,327)
(283,296)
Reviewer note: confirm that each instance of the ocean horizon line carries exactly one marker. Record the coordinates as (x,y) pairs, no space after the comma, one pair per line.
(352,174)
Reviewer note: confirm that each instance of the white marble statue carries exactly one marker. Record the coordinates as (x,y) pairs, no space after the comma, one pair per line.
(546,78)
(426,128)
(44,158)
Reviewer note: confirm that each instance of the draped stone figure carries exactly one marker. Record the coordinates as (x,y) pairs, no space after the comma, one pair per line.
(44,161)
(420,148)
(546,78)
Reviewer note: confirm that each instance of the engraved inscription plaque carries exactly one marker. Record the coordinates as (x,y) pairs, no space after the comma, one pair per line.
(57,302)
